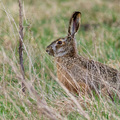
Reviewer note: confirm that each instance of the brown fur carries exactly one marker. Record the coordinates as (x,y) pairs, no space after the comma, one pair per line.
(68,81)
(81,73)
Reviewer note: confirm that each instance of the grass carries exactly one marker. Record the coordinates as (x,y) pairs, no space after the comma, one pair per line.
(45,21)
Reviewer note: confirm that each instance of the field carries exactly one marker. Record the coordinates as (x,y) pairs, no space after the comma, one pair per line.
(44,22)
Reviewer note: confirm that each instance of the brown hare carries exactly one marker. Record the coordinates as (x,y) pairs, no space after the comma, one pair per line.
(76,72)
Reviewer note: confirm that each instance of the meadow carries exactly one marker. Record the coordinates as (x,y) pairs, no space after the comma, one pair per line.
(44,21)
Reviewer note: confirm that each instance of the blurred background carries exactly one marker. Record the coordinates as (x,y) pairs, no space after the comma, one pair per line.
(44,21)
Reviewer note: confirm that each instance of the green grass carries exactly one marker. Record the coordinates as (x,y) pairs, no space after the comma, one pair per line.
(47,21)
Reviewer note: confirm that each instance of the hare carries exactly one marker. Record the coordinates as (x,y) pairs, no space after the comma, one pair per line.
(76,72)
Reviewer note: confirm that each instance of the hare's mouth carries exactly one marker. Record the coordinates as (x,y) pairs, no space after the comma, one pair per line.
(51,54)
(50,51)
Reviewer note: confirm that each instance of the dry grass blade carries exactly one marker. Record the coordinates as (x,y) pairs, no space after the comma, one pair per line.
(80,109)
(10,18)
(41,104)
(25,118)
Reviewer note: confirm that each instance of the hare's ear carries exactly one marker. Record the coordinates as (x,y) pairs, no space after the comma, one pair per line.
(74,23)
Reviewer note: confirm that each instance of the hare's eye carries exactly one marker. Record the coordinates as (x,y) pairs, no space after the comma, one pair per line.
(59,42)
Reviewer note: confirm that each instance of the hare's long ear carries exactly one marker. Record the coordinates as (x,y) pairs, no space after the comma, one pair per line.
(74,23)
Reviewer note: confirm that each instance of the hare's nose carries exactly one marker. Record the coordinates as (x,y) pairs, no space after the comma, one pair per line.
(47,50)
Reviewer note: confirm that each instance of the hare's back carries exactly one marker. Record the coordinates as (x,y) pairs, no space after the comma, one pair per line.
(91,72)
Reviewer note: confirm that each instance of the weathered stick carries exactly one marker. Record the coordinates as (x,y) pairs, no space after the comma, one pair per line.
(20,42)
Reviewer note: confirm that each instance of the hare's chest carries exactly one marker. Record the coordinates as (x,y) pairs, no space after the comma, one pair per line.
(69,70)
(65,77)
(63,72)
(70,74)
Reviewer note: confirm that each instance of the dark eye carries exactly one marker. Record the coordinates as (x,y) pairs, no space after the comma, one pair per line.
(59,42)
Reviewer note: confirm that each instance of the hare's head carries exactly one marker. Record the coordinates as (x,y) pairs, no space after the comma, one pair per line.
(66,46)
